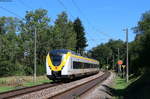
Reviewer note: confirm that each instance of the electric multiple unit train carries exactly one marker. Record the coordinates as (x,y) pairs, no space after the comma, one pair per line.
(65,64)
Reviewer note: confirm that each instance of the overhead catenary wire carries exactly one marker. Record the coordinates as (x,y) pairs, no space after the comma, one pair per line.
(30,8)
(34,41)
(24,4)
(9,11)
(81,12)
(75,4)
(62,4)
(88,22)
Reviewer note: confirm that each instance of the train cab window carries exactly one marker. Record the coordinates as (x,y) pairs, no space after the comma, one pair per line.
(56,59)
(56,56)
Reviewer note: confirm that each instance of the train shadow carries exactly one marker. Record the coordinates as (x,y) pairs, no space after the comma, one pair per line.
(140,89)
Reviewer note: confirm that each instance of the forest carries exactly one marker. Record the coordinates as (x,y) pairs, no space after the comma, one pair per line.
(17,43)
(139,49)
(17,38)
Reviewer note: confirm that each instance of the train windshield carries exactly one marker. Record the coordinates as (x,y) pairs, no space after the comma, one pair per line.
(56,59)
(56,56)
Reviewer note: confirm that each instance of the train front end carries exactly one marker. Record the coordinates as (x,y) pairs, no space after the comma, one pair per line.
(55,64)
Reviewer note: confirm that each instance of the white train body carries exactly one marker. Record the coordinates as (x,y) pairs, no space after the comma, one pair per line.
(61,64)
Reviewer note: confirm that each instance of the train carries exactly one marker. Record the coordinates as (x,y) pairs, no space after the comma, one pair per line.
(62,64)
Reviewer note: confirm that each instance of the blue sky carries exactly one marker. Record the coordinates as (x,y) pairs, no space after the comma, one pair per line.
(102,19)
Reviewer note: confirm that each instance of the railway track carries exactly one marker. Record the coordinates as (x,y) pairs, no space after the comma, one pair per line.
(57,90)
(26,90)
(76,91)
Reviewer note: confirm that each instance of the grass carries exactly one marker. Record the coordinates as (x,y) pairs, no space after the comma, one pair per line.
(140,89)
(6,88)
(15,82)
(27,84)
(120,83)
(136,88)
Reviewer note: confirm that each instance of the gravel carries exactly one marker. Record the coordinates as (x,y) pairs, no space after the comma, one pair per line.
(46,93)
(100,91)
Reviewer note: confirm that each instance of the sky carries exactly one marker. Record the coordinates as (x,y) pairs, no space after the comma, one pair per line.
(102,19)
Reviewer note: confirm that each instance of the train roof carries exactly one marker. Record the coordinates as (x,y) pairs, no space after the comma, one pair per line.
(63,51)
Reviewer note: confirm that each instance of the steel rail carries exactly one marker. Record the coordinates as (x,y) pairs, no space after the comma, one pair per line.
(17,92)
(76,91)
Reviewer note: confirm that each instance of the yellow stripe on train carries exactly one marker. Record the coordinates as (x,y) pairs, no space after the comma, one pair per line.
(83,58)
(58,68)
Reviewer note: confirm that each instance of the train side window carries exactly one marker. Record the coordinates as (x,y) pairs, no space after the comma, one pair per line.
(77,65)
(93,65)
(80,65)
(90,65)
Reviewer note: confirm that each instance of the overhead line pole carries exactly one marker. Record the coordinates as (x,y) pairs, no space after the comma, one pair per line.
(127,63)
(107,63)
(113,63)
(9,11)
(35,55)
(118,60)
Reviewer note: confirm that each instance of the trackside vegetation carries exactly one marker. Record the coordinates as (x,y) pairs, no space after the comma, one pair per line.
(137,88)
(120,83)
(139,49)
(120,87)
(17,40)
(17,52)
(139,64)
(16,82)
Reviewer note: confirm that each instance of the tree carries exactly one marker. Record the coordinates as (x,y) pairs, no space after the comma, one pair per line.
(17,41)
(35,20)
(105,52)
(101,53)
(9,46)
(143,41)
(81,39)
(64,35)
